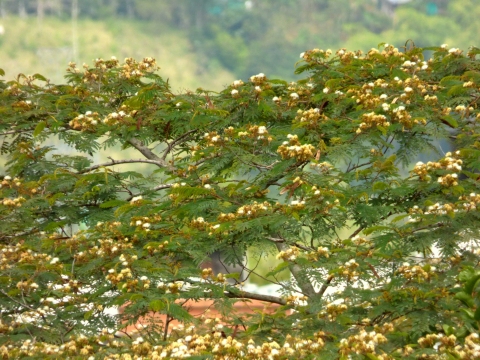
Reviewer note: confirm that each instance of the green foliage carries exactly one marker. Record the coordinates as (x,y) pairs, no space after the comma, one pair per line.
(382,249)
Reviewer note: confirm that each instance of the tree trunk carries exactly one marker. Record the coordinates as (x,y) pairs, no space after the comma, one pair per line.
(75,30)
(40,10)
(22,11)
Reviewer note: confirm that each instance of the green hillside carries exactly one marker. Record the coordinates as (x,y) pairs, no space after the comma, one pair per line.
(29,46)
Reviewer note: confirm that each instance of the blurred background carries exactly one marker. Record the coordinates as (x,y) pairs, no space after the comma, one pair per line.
(209,43)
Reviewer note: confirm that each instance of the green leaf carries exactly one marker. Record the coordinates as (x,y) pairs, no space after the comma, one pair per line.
(233,275)
(156,305)
(135,297)
(372,229)
(450,121)
(476,315)
(379,185)
(468,312)
(465,298)
(39,77)
(39,128)
(112,203)
(471,283)
(88,314)
(280,267)
(457,90)
(466,274)
(448,329)
(382,129)
(400,217)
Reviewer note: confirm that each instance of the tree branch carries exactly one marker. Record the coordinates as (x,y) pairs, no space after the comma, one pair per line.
(145,150)
(253,296)
(117,162)
(299,274)
(325,286)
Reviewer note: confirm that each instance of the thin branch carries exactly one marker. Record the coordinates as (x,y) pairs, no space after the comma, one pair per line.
(358,166)
(282,240)
(257,166)
(156,188)
(168,319)
(438,224)
(252,271)
(117,162)
(356,232)
(25,305)
(249,295)
(325,286)
(176,142)
(15,132)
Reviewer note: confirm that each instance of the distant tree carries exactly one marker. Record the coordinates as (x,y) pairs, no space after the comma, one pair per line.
(382,249)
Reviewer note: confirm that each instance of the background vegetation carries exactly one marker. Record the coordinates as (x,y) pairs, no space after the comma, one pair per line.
(205,42)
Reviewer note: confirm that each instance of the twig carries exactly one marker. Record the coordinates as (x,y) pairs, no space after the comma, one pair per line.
(156,188)
(325,286)
(282,240)
(117,162)
(175,142)
(168,320)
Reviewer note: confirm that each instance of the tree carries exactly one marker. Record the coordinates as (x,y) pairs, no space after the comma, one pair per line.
(382,253)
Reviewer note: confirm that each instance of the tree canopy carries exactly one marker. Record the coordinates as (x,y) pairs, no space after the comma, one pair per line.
(324,173)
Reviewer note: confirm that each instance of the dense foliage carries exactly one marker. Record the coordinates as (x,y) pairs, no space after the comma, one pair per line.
(382,253)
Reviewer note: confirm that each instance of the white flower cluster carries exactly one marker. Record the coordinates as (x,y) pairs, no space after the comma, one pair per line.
(136,199)
(289,254)
(324,166)
(85,122)
(310,117)
(348,270)
(371,120)
(114,118)
(448,180)
(440,209)
(455,51)
(297,204)
(17,202)
(415,66)
(463,109)
(258,79)
(237,83)
(472,201)
(450,162)
(293,149)
(362,343)
(256,132)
